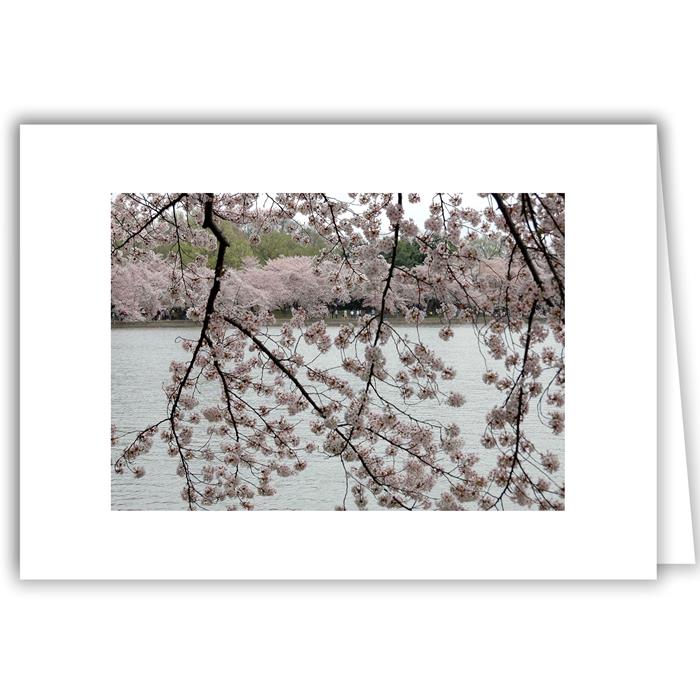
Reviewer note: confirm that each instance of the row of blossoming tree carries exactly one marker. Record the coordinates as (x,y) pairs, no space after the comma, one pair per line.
(499,267)
(142,289)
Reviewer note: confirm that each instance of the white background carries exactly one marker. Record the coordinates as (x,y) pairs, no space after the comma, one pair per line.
(506,61)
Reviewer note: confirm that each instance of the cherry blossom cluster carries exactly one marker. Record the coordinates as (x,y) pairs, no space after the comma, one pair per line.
(499,268)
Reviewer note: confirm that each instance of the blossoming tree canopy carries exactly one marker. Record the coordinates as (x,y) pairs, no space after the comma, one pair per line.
(392,259)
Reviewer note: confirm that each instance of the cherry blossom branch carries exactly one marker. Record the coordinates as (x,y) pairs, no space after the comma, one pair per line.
(144,226)
(310,400)
(213,293)
(521,245)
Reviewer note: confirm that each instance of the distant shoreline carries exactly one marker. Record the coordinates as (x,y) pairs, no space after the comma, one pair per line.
(332,321)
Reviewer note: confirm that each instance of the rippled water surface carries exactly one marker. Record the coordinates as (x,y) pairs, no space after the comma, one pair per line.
(140,360)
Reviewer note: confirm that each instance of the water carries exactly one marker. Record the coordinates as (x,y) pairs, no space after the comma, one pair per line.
(140,360)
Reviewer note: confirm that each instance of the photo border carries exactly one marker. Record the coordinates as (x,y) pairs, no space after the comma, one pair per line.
(67,529)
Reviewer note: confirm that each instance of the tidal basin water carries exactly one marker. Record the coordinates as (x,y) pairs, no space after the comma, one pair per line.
(140,360)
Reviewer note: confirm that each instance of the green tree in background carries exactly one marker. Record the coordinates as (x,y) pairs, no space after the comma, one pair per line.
(278,244)
(407,254)
(238,246)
